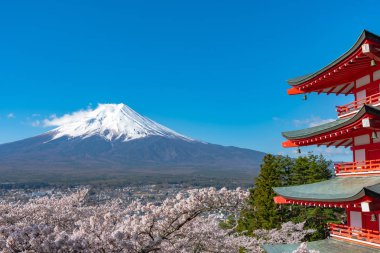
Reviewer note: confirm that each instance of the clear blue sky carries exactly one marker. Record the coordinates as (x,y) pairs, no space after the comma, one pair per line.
(212,70)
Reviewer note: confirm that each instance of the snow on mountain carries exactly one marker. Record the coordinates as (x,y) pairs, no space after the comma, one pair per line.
(111,122)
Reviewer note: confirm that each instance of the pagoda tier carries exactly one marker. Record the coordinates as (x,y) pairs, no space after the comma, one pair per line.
(356,130)
(337,192)
(349,109)
(347,73)
(359,196)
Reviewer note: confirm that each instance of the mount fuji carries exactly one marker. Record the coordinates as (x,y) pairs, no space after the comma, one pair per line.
(115,143)
(111,122)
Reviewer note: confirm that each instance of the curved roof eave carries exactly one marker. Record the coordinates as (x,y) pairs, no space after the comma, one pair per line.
(364,35)
(319,198)
(331,126)
(333,190)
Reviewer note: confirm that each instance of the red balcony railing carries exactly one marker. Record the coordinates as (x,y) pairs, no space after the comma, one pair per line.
(354,106)
(360,235)
(359,167)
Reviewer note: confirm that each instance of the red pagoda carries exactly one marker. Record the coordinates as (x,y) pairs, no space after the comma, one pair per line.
(356,186)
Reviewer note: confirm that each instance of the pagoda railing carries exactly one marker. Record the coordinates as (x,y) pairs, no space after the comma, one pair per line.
(347,109)
(358,167)
(359,235)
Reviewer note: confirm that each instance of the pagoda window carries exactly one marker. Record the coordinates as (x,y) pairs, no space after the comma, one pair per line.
(376,75)
(362,81)
(362,140)
(361,95)
(359,155)
(356,219)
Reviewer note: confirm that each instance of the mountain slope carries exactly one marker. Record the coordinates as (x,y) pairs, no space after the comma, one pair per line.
(113,141)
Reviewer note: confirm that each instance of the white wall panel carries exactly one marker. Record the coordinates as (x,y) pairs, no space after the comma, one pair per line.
(362,81)
(356,219)
(361,140)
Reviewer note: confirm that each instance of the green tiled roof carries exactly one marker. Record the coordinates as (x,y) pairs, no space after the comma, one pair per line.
(364,35)
(327,127)
(323,246)
(313,130)
(338,189)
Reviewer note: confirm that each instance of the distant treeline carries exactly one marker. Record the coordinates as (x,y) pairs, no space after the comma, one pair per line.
(216,179)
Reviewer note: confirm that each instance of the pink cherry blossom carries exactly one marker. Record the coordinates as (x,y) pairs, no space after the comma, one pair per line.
(187,222)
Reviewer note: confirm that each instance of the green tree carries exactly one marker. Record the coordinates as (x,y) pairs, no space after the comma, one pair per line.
(306,170)
(275,171)
(309,169)
(262,211)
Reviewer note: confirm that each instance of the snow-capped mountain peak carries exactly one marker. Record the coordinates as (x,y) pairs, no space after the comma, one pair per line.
(111,122)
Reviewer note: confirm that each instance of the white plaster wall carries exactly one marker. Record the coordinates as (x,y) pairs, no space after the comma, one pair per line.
(359,155)
(361,140)
(356,219)
(362,81)
(361,95)
(376,75)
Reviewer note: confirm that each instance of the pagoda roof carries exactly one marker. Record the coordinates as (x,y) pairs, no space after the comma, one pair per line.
(365,35)
(327,245)
(331,126)
(337,76)
(338,189)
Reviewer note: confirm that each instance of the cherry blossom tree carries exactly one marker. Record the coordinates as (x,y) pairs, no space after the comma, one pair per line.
(188,222)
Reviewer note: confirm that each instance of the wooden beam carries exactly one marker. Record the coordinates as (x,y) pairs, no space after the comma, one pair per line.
(348,144)
(280,200)
(349,91)
(330,90)
(294,91)
(342,89)
(340,143)
(289,144)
